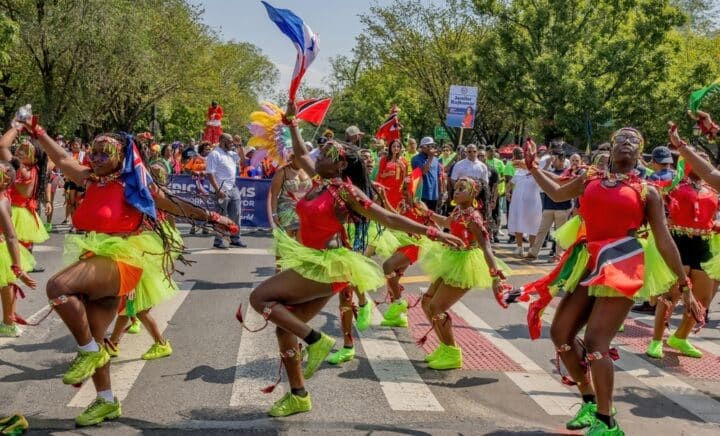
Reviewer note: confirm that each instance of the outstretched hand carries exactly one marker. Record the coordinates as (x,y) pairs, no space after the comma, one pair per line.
(291,109)
(674,136)
(530,152)
(705,122)
(29,281)
(450,239)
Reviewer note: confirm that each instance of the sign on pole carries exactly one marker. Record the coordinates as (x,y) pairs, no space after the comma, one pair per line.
(462,104)
(441,133)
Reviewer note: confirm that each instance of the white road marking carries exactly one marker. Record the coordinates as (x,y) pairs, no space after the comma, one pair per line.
(127,367)
(543,388)
(403,387)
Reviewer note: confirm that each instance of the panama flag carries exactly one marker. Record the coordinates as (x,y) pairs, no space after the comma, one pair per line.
(306,42)
(313,110)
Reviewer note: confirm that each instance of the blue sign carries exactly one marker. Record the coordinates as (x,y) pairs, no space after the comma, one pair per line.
(462,104)
(253,193)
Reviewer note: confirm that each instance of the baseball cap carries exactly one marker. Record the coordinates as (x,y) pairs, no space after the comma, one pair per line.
(353,130)
(427,141)
(662,155)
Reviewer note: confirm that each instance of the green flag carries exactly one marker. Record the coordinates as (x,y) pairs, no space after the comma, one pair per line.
(697,96)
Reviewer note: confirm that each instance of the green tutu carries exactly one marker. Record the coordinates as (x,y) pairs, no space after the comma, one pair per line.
(464,269)
(27,228)
(143,251)
(712,266)
(333,265)
(27,263)
(386,244)
(374,233)
(567,234)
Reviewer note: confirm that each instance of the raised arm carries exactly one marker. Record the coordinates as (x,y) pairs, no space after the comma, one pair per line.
(6,142)
(182,208)
(302,156)
(700,166)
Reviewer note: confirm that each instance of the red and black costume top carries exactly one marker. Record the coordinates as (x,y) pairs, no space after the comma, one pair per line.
(16,198)
(460,222)
(692,209)
(105,210)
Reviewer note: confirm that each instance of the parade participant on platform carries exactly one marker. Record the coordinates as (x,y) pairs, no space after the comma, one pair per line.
(321,263)
(15,260)
(454,271)
(692,206)
(213,124)
(125,248)
(603,271)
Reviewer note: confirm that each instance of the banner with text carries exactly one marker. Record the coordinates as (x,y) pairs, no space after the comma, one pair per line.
(253,195)
(462,104)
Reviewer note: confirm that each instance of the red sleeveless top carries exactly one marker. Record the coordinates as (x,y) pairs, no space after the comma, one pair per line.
(104,210)
(692,209)
(611,212)
(17,199)
(460,221)
(418,214)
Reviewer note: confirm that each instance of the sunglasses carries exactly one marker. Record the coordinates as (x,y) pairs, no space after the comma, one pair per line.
(632,139)
(99,158)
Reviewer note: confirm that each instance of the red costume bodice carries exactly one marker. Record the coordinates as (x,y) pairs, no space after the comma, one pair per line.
(460,221)
(611,212)
(104,210)
(16,198)
(692,209)
(418,214)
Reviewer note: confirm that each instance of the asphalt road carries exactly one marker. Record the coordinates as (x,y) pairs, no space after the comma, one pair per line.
(210,385)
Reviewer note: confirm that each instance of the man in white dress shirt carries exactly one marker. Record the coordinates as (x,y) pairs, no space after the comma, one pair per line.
(470,167)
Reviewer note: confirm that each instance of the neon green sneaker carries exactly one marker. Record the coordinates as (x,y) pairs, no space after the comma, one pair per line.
(84,365)
(599,428)
(396,308)
(655,349)
(135,327)
(341,356)
(9,331)
(290,404)
(14,425)
(400,321)
(365,315)
(621,329)
(449,358)
(316,353)
(97,412)
(48,227)
(583,418)
(684,346)
(434,355)
(158,351)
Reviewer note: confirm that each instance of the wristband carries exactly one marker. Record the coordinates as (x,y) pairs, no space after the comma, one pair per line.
(16,270)
(432,233)
(687,286)
(36,132)
(289,120)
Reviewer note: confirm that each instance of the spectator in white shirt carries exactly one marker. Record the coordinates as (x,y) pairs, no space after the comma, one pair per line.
(221,171)
(470,167)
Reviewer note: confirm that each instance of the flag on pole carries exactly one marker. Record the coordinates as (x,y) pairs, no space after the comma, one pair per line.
(313,110)
(389,130)
(305,41)
(137,180)
(415,187)
(697,96)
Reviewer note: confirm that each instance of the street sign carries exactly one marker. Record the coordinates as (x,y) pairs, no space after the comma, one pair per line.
(441,133)
(462,103)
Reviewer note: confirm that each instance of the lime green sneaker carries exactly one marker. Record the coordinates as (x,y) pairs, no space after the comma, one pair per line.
(316,353)
(684,346)
(290,404)
(449,358)
(9,330)
(434,355)
(341,356)
(99,411)
(365,315)
(583,418)
(400,321)
(599,428)
(84,365)
(396,308)
(158,351)
(655,349)
(14,425)
(621,329)
(135,327)
(48,227)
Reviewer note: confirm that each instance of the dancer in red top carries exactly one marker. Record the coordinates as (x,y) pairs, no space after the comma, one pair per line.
(603,271)
(213,125)
(321,263)
(392,172)
(692,206)
(125,254)
(23,196)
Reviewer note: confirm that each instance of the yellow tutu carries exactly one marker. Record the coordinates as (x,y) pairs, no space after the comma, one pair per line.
(27,263)
(28,226)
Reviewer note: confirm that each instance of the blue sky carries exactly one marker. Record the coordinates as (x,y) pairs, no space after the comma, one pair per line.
(335,21)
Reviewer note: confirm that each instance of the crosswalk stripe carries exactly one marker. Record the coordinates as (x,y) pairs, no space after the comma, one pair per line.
(126,368)
(403,387)
(250,375)
(685,395)
(543,388)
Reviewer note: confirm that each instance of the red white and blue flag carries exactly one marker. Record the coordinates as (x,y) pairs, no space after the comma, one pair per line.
(305,41)
(137,180)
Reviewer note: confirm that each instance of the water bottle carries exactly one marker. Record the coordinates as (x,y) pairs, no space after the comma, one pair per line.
(24,113)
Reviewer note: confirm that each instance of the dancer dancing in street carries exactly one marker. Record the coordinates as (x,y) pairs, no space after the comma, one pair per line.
(321,263)
(603,271)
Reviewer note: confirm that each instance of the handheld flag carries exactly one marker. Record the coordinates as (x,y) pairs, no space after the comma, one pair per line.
(313,110)
(137,180)
(389,130)
(305,41)
(697,96)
